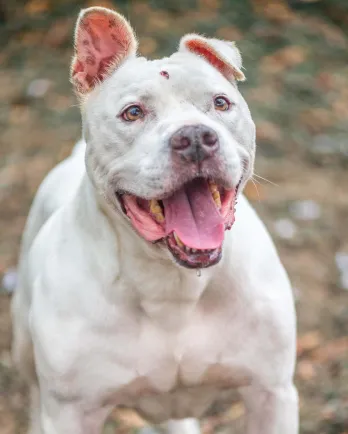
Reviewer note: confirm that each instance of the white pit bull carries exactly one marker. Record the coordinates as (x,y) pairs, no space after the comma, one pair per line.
(142,282)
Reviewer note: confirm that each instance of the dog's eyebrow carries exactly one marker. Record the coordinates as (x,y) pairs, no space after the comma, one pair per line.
(135,92)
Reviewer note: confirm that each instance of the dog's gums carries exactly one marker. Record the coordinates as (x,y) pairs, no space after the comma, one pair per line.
(191,220)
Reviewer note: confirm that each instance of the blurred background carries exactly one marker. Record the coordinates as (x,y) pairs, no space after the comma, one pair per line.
(296,58)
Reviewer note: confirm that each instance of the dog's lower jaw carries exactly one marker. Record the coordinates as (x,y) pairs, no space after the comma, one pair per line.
(196,260)
(164,250)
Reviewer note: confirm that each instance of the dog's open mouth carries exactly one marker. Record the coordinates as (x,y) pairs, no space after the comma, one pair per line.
(191,221)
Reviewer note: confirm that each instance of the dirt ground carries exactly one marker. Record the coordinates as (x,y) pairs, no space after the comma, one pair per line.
(296,64)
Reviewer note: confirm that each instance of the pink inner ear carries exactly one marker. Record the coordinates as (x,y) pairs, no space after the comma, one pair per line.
(198,48)
(101,42)
(209,54)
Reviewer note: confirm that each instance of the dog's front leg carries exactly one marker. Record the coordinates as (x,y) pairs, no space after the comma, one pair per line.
(60,416)
(271,410)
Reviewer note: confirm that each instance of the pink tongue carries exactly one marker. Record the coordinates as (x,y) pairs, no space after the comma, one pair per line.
(191,212)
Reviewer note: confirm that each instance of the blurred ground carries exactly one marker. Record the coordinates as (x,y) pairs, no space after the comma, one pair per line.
(295,55)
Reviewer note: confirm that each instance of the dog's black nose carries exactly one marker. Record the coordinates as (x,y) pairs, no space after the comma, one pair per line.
(195,143)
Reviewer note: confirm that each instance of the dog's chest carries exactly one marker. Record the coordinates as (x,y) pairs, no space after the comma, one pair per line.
(178,371)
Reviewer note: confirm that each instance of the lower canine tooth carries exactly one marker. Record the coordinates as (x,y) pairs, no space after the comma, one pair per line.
(178,241)
(156,210)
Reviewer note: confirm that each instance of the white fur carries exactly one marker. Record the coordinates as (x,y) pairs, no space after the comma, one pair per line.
(109,318)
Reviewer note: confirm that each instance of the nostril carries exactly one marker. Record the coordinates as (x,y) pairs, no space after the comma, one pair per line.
(185,142)
(180,141)
(209,138)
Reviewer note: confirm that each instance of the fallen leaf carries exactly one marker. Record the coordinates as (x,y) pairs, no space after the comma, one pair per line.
(331,350)
(209,4)
(308,342)
(157,21)
(283,59)
(275,10)
(34,7)
(230,33)
(333,34)
(59,33)
(268,132)
(317,119)
(306,370)
(19,114)
(7,422)
(340,108)
(147,46)
(267,93)
(103,3)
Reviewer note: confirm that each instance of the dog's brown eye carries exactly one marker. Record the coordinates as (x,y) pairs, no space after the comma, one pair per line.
(133,113)
(221,103)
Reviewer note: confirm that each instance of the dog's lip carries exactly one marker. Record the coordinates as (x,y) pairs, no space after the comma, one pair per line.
(183,255)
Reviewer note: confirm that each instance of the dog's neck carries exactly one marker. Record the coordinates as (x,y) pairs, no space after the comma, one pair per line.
(163,289)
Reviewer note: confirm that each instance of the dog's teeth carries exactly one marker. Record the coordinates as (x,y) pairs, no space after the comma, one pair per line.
(178,241)
(215,193)
(156,210)
(182,245)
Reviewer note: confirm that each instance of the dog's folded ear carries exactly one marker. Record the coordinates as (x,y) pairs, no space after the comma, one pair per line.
(103,40)
(223,55)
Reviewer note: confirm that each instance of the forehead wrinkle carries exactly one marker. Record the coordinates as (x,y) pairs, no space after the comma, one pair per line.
(135,89)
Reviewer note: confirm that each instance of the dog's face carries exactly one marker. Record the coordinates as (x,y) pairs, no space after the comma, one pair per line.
(170,142)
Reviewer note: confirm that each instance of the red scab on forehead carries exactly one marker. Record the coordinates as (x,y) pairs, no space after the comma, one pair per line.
(165,74)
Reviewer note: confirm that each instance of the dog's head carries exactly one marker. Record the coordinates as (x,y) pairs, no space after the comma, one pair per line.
(170,142)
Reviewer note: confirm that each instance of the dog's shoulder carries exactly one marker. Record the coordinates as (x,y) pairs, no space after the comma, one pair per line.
(56,189)
(62,181)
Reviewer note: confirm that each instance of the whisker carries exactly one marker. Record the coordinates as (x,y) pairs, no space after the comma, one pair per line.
(265,179)
(257,190)
(256,180)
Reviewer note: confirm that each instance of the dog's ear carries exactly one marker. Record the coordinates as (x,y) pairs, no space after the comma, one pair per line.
(223,55)
(103,40)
